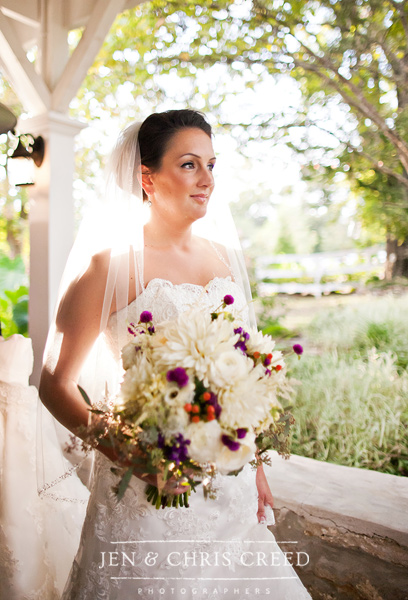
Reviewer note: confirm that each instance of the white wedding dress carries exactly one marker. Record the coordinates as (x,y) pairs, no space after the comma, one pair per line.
(213,549)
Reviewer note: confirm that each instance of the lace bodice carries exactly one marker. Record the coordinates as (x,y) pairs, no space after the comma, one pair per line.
(166,300)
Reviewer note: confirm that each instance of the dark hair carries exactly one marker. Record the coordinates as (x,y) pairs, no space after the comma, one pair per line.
(157,130)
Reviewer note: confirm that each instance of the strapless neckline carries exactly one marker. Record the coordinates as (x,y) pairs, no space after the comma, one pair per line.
(185,284)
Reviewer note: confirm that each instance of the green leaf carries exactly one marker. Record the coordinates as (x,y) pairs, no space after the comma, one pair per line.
(84,395)
(124,482)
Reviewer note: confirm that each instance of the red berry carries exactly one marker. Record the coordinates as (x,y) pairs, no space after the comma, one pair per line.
(206,396)
(187,407)
(278,367)
(270,356)
(195,419)
(195,408)
(257,355)
(210,417)
(210,409)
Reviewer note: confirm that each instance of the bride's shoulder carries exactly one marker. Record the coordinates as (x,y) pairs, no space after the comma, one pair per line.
(88,288)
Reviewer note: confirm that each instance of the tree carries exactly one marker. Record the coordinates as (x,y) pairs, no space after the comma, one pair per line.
(348,57)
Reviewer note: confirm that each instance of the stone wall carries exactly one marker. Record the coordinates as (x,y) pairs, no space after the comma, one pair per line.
(351,523)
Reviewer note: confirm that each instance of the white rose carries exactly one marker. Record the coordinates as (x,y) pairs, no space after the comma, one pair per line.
(229,460)
(205,440)
(230,366)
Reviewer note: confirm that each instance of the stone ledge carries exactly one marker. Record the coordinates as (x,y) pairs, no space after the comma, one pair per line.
(358,500)
(351,523)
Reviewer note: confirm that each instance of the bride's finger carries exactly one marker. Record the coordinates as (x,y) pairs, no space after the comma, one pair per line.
(176,487)
(261,511)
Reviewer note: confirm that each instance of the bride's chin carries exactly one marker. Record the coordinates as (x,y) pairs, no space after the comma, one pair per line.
(201,212)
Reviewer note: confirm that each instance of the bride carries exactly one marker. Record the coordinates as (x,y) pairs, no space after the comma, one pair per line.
(214,548)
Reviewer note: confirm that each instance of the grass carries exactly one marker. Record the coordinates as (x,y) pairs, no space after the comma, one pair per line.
(351,406)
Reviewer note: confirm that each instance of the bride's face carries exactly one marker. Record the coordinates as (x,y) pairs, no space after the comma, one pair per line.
(182,187)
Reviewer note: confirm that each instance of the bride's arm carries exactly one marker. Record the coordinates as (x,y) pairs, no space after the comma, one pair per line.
(77,327)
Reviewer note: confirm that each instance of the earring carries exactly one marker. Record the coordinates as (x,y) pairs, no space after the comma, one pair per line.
(149,202)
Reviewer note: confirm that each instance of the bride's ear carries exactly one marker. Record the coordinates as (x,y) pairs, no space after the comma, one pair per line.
(147,183)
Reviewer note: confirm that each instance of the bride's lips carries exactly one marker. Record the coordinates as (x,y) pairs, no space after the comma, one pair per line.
(201,198)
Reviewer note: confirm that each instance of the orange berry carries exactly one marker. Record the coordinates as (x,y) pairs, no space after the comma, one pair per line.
(257,355)
(195,419)
(195,408)
(278,367)
(270,356)
(210,409)
(210,417)
(187,407)
(206,396)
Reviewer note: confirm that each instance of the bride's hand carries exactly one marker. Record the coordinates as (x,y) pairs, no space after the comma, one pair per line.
(264,494)
(171,486)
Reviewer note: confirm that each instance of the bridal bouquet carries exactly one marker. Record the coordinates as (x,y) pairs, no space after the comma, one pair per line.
(199,396)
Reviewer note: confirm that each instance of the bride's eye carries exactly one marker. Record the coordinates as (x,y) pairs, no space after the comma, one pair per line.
(189,164)
(211,166)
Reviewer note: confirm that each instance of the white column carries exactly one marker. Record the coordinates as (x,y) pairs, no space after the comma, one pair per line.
(51,219)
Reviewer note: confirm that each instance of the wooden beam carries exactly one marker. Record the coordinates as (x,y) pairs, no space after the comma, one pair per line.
(76,12)
(100,21)
(53,51)
(25,11)
(26,82)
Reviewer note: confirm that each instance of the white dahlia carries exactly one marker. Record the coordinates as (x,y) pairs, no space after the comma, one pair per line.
(193,341)
(246,403)
(258,342)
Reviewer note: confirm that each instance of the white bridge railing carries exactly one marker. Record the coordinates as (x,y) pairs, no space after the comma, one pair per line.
(324,272)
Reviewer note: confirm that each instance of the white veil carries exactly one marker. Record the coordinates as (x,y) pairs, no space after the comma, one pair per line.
(115,226)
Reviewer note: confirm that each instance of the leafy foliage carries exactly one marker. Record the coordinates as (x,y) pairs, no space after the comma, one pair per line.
(347,58)
(351,407)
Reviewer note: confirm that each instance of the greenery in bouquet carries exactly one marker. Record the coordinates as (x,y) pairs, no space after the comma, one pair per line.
(200,396)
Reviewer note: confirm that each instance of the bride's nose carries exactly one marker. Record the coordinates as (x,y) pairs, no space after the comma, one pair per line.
(206,178)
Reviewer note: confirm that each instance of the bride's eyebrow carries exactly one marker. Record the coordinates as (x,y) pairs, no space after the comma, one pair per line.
(196,155)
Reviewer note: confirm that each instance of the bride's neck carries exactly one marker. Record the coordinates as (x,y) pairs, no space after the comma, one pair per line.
(160,233)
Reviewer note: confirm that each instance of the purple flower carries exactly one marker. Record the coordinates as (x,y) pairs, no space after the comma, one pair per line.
(228,299)
(241,432)
(241,346)
(231,444)
(297,349)
(243,337)
(151,329)
(178,375)
(267,361)
(146,317)
(176,451)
